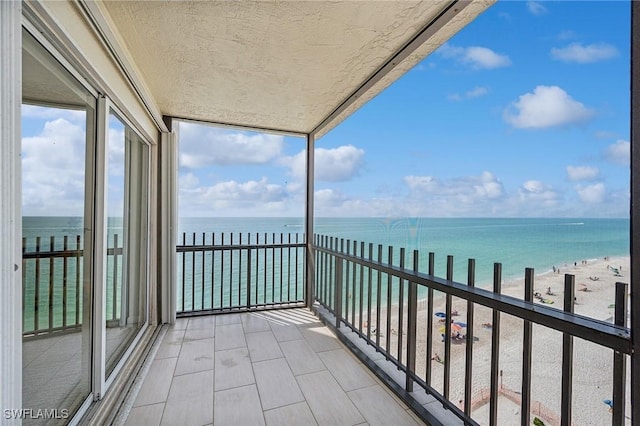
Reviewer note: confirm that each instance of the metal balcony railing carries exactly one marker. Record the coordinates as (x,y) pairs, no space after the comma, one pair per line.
(222,273)
(52,276)
(379,298)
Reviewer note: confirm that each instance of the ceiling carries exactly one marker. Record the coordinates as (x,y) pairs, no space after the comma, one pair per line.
(292,66)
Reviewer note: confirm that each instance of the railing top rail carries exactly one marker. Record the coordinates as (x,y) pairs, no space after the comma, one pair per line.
(596,331)
(218,247)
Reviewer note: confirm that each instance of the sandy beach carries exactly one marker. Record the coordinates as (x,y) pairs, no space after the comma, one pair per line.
(593,365)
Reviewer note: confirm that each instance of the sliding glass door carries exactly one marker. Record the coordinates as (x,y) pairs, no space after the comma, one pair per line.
(85,203)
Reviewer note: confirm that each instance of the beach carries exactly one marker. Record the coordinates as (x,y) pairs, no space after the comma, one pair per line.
(592,369)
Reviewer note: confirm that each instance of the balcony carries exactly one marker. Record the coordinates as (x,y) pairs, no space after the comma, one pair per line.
(372,346)
(280,330)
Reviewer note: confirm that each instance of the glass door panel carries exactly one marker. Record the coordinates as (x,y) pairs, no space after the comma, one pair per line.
(126,263)
(58,121)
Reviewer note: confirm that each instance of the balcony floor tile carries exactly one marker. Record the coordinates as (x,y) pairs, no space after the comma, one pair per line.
(196,355)
(276,384)
(238,407)
(233,369)
(230,337)
(263,346)
(275,368)
(190,399)
(329,404)
(345,368)
(294,414)
(301,357)
(157,382)
(378,407)
(146,415)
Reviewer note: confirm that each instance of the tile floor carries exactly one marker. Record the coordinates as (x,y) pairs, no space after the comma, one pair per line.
(275,368)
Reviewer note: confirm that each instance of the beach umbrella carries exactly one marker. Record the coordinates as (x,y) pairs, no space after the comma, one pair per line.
(461,324)
(440,314)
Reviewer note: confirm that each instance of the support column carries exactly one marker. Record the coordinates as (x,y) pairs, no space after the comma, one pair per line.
(635,212)
(308,228)
(167,220)
(10,209)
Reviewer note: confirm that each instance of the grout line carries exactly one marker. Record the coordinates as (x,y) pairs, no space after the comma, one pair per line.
(126,407)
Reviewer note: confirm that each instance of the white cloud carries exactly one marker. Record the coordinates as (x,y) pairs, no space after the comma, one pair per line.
(591,194)
(546,106)
(188,181)
(229,198)
(331,202)
(324,198)
(331,165)
(204,146)
(619,153)
(466,190)
(422,183)
(53,170)
(579,173)
(535,191)
(576,52)
(470,94)
(536,8)
(477,57)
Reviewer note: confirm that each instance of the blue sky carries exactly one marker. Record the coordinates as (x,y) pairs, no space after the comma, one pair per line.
(524,113)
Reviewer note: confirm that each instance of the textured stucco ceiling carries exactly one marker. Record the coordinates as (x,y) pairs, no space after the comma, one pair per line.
(277,65)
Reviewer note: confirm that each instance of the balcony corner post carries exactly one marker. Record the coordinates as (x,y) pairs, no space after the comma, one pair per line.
(308,228)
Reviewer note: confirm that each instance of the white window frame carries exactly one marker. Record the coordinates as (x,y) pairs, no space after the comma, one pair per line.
(101,382)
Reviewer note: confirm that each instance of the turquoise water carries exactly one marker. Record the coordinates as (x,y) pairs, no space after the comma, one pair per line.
(516,243)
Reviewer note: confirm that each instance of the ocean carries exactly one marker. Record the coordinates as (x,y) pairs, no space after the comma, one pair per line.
(515,243)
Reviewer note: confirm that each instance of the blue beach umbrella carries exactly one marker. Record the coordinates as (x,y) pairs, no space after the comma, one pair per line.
(440,314)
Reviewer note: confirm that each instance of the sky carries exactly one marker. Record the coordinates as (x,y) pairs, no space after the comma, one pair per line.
(523,113)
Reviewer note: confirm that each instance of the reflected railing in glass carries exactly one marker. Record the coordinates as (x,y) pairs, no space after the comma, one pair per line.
(52,284)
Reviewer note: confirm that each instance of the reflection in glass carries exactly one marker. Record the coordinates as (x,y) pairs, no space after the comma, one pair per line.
(127,183)
(57,124)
